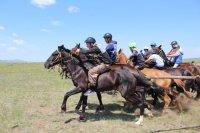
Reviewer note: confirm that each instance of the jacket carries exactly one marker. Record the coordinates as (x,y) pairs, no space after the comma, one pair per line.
(104,57)
(112,50)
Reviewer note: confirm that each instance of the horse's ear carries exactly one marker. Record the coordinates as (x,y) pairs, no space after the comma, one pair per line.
(160,46)
(61,47)
(78,45)
(120,50)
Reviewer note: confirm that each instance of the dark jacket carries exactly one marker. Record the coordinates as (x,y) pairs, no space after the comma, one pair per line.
(137,58)
(104,57)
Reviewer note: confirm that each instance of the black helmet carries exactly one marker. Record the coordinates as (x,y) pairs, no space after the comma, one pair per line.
(174,43)
(107,35)
(90,40)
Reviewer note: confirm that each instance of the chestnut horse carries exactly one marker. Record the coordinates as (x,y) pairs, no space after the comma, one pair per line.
(165,84)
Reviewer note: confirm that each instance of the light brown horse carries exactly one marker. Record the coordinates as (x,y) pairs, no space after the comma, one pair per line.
(159,83)
(120,60)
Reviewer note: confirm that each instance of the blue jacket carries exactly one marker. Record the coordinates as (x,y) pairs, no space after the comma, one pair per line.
(178,59)
(112,50)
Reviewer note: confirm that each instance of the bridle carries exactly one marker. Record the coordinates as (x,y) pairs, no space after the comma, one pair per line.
(57,59)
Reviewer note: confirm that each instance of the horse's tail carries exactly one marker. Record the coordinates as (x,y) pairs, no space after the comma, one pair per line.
(180,84)
(197,82)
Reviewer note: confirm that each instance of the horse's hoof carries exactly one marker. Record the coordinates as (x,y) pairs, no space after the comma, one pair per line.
(165,111)
(62,111)
(100,108)
(82,118)
(139,123)
(77,108)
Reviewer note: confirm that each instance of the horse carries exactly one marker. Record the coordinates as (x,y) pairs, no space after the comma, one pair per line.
(190,66)
(165,84)
(187,65)
(121,80)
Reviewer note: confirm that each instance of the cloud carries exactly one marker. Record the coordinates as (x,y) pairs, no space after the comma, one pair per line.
(43,3)
(2,28)
(19,41)
(45,30)
(11,49)
(73,9)
(55,22)
(14,34)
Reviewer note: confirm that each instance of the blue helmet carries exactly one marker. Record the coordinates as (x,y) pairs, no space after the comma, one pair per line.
(174,43)
(90,40)
(153,44)
(107,35)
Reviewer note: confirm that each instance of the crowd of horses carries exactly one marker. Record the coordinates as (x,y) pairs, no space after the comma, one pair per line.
(130,82)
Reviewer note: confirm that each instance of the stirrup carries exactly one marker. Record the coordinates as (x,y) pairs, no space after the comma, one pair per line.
(88,92)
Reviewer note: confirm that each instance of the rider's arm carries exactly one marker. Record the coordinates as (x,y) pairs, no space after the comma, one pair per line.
(110,47)
(90,51)
(149,59)
(175,54)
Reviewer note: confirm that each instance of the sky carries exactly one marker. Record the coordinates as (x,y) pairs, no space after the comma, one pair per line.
(31,30)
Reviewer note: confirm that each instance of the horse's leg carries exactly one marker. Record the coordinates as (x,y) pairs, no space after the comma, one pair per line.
(144,104)
(135,99)
(78,106)
(100,107)
(67,95)
(167,100)
(84,104)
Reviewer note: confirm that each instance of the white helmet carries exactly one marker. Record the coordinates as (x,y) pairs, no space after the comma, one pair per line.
(146,47)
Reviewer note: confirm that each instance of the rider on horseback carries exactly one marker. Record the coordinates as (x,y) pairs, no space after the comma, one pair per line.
(136,57)
(99,68)
(146,52)
(111,47)
(153,45)
(154,61)
(176,54)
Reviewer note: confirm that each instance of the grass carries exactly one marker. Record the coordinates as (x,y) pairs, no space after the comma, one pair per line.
(196,60)
(30,102)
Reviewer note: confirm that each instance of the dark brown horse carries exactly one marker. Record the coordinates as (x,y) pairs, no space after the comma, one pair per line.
(121,80)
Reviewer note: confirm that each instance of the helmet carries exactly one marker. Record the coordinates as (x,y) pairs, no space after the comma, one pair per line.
(146,47)
(132,45)
(147,53)
(107,35)
(153,44)
(174,43)
(90,40)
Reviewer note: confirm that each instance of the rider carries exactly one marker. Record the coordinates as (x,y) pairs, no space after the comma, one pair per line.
(136,57)
(153,45)
(99,68)
(175,54)
(111,47)
(146,52)
(154,61)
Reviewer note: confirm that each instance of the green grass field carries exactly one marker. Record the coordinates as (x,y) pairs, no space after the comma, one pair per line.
(31,96)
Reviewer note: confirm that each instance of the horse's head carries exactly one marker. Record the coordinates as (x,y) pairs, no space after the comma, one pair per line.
(157,50)
(121,57)
(76,49)
(54,59)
